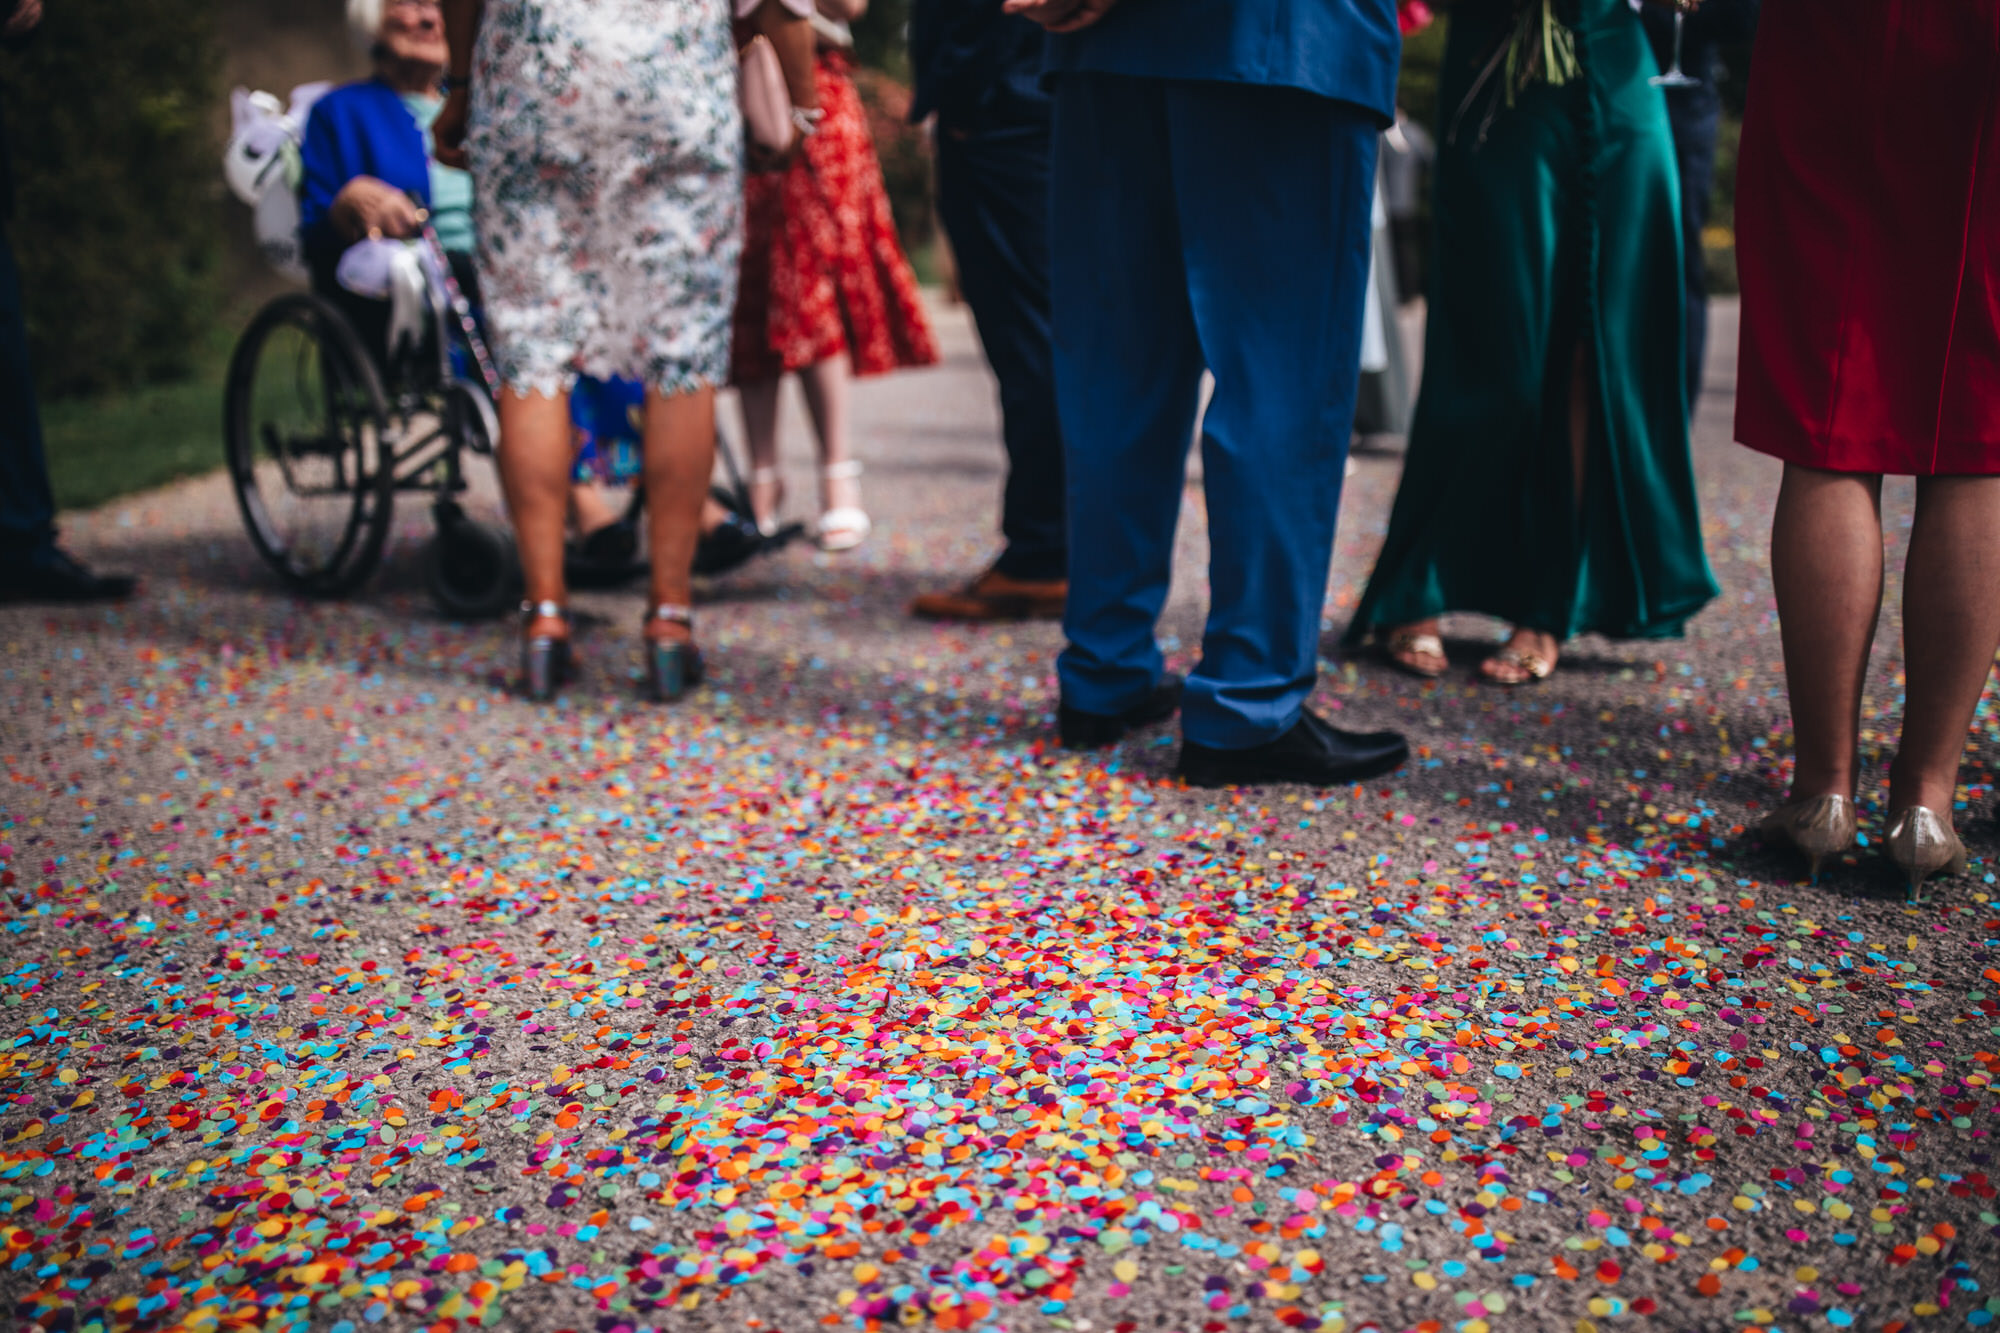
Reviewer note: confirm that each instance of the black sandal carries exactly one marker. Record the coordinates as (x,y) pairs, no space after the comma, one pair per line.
(672,669)
(546,661)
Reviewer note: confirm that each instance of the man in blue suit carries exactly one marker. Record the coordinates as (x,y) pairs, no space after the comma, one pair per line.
(1213,168)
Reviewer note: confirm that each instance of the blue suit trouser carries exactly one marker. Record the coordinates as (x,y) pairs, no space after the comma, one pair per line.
(993,195)
(27,508)
(1227,226)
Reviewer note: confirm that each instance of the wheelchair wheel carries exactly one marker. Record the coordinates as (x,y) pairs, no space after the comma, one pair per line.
(304,424)
(471,568)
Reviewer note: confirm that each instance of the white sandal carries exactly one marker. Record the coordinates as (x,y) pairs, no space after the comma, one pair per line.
(767,526)
(847,526)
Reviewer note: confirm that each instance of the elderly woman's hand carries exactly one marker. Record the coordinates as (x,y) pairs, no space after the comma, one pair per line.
(366,207)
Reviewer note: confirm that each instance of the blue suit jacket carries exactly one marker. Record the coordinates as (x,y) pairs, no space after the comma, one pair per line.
(362,129)
(1343,49)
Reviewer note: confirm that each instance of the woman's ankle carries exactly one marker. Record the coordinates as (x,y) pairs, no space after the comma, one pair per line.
(677,628)
(1933,791)
(545,627)
(1809,780)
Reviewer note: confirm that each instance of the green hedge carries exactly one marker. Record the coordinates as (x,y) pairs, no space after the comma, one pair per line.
(110,109)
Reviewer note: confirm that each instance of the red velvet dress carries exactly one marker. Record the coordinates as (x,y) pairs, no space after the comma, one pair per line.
(1868,237)
(822,269)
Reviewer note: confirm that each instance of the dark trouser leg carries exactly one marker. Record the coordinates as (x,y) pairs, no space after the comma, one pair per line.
(1128,371)
(993,196)
(1276,248)
(1695,114)
(27,506)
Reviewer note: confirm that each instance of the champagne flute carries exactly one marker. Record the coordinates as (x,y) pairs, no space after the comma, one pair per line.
(1674,77)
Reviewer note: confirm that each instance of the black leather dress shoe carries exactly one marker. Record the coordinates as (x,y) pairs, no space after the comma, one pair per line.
(1313,753)
(1079,730)
(56,576)
(1353,738)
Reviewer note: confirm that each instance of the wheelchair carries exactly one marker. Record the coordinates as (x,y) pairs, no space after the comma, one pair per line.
(324,431)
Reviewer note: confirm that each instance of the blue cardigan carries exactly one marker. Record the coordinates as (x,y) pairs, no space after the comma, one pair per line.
(362,129)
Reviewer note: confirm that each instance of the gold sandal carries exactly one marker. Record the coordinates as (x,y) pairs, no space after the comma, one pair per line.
(1416,643)
(1537,667)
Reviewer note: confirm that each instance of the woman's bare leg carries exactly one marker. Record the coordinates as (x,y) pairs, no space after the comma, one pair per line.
(759,400)
(680,457)
(843,523)
(825,384)
(1951,627)
(535,473)
(1826,567)
(1534,642)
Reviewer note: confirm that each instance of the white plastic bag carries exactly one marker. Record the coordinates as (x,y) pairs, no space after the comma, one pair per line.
(399,272)
(261,165)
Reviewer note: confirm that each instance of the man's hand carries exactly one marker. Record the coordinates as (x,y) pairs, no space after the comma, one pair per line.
(1060,15)
(448,130)
(26,15)
(366,207)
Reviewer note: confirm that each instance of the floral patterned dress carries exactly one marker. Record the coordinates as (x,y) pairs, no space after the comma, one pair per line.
(606,151)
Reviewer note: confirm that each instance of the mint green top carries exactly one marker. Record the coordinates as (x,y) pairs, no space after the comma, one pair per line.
(451,189)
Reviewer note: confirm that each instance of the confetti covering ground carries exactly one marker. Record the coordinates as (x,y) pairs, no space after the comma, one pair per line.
(343,991)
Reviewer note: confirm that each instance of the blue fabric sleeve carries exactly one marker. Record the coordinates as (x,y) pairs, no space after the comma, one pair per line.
(362,129)
(327,169)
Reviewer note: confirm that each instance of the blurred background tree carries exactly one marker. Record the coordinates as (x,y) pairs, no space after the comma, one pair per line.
(111,110)
(882,46)
(882,38)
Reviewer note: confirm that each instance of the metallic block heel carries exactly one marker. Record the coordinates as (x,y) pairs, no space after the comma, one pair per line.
(1816,826)
(546,663)
(672,669)
(1922,844)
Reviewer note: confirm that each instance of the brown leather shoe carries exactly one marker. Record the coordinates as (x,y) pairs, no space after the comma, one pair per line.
(994,596)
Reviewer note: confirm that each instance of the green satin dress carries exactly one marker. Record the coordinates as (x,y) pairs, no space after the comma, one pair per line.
(1561,225)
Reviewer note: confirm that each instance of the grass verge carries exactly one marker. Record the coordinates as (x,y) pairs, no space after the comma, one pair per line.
(113,444)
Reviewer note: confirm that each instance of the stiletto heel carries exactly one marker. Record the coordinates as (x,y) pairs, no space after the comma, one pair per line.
(672,669)
(545,658)
(1816,826)
(1922,844)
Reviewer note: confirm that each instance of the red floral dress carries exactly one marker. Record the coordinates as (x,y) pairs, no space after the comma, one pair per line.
(822,270)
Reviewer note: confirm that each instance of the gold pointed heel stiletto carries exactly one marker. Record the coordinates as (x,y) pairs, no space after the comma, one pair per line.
(1817,826)
(1922,844)
(672,669)
(546,664)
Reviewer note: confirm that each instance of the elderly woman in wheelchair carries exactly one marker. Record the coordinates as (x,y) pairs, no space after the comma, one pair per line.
(386,365)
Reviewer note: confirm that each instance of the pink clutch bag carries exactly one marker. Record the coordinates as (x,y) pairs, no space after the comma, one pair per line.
(767,102)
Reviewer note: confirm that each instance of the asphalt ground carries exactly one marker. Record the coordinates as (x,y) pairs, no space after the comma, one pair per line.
(343,989)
